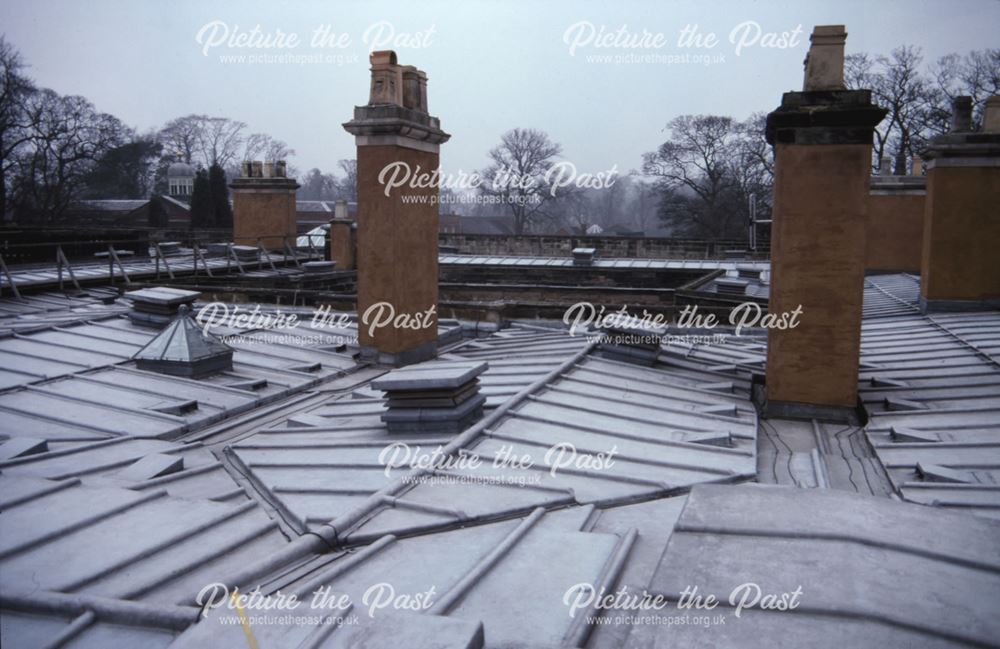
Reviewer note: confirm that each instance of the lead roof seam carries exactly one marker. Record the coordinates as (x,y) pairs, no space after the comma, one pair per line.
(352,518)
(227,514)
(110,405)
(460,588)
(978,352)
(87,521)
(221,550)
(73,424)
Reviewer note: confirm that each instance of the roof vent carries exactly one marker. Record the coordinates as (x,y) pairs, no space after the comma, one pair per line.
(583,256)
(182,349)
(435,398)
(631,344)
(242,254)
(318,267)
(158,306)
(748,272)
(731,286)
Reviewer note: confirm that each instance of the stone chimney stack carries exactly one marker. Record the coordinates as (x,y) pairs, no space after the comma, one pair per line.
(264,205)
(822,140)
(397,238)
(959,269)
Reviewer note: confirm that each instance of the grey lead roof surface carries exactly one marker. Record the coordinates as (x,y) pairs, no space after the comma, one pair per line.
(665,429)
(44,310)
(873,572)
(891,295)
(120,501)
(931,386)
(78,381)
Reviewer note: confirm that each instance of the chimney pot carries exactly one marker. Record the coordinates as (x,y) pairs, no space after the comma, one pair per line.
(961,114)
(991,115)
(824,64)
(386,79)
(340,209)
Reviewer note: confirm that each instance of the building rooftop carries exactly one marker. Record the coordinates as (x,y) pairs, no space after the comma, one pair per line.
(126,491)
(677,264)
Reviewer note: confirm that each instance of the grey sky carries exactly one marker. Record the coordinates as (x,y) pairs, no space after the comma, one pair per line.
(492,65)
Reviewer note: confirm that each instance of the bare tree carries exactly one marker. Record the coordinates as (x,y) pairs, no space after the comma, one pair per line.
(706,173)
(68,136)
(976,75)
(319,186)
(348,185)
(753,166)
(643,203)
(181,138)
(692,171)
(261,146)
(918,102)
(16,124)
(517,175)
(220,140)
(899,85)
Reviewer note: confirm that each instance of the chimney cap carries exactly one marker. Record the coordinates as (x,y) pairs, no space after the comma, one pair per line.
(430,376)
(383,57)
(824,64)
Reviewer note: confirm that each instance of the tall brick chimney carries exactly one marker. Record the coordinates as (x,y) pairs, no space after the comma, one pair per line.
(959,269)
(264,205)
(822,140)
(397,241)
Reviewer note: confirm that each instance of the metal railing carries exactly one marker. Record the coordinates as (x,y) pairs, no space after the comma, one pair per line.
(189,259)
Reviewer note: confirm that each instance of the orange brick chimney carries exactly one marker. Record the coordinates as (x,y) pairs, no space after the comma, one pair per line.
(397,237)
(822,140)
(959,268)
(264,205)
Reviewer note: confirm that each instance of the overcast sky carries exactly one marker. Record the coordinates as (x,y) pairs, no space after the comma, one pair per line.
(492,66)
